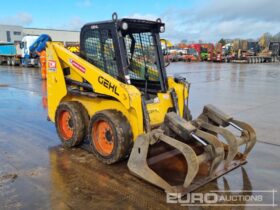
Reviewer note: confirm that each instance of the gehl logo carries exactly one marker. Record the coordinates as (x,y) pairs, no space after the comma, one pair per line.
(107,84)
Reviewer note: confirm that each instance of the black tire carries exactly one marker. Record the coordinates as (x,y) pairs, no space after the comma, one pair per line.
(13,61)
(8,61)
(78,123)
(119,135)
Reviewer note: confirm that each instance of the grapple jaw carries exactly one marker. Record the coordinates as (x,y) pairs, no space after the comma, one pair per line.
(182,156)
(214,120)
(139,164)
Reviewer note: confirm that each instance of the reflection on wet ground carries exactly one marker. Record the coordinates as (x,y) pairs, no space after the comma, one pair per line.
(36,173)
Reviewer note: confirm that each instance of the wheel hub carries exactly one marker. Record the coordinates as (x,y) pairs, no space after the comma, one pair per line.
(108,136)
(66,125)
(103,138)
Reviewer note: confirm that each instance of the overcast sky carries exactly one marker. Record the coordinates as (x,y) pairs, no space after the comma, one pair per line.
(190,20)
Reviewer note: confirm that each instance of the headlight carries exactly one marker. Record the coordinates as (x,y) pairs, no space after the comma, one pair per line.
(124,26)
(161,29)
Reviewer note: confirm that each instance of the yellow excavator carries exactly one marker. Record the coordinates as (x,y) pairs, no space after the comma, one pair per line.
(115,99)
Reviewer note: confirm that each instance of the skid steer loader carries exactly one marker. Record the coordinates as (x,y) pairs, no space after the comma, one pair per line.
(115,98)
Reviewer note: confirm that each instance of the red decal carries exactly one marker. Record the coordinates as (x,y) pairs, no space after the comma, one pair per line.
(78,66)
(52,64)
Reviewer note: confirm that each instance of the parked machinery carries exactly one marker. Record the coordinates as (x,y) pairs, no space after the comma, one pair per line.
(25,53)
(215,53)
(27,58)
(274,48)
(199,50)
(38,51)
(227,52)
(10,53)
(188,55)
(205,51)
(182,52)
(73,47)
(252,52)
(169,51)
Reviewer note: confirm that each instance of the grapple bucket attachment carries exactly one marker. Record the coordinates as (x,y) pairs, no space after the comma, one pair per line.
(214,120)
(182,156)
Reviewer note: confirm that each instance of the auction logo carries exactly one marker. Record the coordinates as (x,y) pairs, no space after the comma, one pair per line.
(264,198)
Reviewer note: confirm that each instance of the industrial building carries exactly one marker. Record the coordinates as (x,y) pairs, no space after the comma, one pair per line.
(13,33)
(9,33)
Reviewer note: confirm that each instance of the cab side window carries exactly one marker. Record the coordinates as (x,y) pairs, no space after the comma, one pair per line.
(99,50)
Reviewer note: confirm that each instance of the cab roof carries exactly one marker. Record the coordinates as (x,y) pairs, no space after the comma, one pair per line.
(132,23)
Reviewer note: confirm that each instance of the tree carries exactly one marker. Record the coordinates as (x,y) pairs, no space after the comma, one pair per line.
(222,41)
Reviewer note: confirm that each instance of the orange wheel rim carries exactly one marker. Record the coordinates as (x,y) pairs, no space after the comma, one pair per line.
(65,125)
(103,137)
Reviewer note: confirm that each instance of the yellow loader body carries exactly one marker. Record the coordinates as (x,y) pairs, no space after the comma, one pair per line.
(116,98)
(126,98)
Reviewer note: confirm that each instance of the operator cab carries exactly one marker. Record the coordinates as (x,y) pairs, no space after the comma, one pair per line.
(129,50)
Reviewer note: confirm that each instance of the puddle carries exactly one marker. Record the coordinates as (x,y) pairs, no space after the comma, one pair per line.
(50,177)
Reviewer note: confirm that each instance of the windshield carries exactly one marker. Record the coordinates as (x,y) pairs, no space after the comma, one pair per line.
(141,55)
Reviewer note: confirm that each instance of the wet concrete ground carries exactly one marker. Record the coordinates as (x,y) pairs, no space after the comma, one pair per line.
(36,173)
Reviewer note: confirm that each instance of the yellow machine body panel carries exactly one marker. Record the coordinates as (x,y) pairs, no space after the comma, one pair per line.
(124,98)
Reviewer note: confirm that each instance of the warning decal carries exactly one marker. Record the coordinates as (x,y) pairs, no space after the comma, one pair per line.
(77,65)
(51,65)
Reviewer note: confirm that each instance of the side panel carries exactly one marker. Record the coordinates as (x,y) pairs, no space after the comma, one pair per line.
(7,49)
(181,91)
(158,109)
(94,105)
(101,82)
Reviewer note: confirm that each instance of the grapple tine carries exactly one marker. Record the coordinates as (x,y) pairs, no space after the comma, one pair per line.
(137,162)
(214,117)
(189,154)
(138,165)
(249,134)
(186,129)
(216,150)
(228,136)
